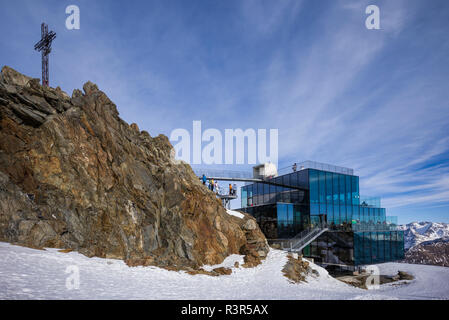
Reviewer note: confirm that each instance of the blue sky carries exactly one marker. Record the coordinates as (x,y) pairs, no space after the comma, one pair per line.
(373,100)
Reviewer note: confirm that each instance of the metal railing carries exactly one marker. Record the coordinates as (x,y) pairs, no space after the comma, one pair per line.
(302,239)
(316,165)
(222,173)
(373,227)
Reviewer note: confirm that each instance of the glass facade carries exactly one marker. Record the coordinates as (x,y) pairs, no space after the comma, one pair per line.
(377,247)
(280,220)
(359,230)
(336,194)
(257,194)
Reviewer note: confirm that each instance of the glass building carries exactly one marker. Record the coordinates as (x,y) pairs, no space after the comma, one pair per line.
(359,232)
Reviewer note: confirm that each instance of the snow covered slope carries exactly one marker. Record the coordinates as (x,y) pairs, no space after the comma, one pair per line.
(44,274)
(417,232)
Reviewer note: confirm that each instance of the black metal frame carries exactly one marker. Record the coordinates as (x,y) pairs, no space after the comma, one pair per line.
(44,46)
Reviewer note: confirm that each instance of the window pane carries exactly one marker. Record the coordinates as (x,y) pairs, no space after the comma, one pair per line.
(387,246)
(330,213)
(355,190)
(348,190)
(342,184)
(314,209)
(336,189)
(329,187)
(374,248)
(294,179)
(343,215)
(282,214)
(313,180)
(355,213)
(266,193)
(303,178)
(244,197)
(349,214)
(290,214)
(337,214)
(278,180)
(322,186)
(381,242)
(286,181)
(367,248)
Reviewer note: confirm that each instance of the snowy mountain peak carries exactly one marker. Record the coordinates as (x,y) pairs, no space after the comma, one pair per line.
(418,232)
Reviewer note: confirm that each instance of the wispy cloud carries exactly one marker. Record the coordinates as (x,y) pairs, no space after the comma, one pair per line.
(374,100)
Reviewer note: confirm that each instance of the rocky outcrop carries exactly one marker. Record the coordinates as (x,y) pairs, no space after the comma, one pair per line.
(256,247)
(433,252)
(365,279)
(73,175)
(297,269)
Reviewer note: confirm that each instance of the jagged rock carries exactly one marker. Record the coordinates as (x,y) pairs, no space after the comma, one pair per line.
(432,252)
(250,225)
(74,175)
(364,279)
(296,269)
(135,127)
(404,276)
(12,77)
(222,271)
(256,247)
(202,271)
(251,257)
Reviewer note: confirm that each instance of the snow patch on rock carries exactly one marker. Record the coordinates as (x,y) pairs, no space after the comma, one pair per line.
(235,213)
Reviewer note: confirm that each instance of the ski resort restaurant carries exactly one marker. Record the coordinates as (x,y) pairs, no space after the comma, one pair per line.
(355,230)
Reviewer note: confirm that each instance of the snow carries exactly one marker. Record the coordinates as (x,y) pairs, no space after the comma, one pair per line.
(227,263)
(235,213)
(42,274)
(431,282)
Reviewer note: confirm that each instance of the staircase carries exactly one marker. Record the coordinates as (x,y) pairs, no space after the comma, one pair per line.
(304,238)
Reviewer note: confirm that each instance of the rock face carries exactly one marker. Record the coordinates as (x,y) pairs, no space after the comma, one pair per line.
(296,269)
(426,243)
(365,280)
(74,175)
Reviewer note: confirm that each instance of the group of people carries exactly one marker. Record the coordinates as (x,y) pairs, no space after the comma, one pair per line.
(232,189)
(214,186)
(211,184)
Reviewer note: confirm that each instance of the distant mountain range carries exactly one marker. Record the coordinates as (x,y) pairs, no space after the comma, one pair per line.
(426,243)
